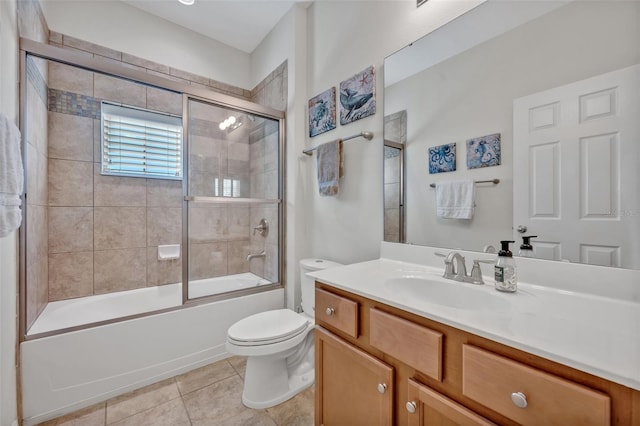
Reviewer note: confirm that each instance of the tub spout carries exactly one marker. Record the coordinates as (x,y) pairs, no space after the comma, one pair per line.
(261,254)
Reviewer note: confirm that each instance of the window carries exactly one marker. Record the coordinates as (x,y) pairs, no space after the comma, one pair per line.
(230,187)
(138,142)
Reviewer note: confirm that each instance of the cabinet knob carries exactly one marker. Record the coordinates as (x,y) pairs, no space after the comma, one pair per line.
(519,399)
(330,311)
(382,387)
(411,407)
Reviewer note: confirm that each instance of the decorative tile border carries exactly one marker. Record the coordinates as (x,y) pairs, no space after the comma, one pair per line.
(74,104)
(36,79)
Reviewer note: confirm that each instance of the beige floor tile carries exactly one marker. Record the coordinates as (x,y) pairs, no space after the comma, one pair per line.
(140,400)
(204,376)
(248,417)
(298,411)
(90,416)
(170,413)
(239,363)
(216,403)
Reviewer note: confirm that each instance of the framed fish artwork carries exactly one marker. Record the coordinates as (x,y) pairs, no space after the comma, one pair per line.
(322,112)
(483,151)
(357,96)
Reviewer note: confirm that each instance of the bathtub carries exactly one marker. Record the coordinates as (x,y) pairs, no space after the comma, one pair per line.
(66,372)
(86,310)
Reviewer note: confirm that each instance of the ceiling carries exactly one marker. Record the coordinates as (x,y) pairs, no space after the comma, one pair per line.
(242,24)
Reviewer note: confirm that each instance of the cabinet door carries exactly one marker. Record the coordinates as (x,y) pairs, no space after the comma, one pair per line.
(352,387)
(428,407)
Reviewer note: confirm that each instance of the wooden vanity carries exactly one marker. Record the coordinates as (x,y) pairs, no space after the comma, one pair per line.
(380,365)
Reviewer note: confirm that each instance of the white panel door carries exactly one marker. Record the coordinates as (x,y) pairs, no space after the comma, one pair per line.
(576,159)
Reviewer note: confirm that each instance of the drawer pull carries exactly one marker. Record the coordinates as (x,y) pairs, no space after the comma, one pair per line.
(382,387)
(329,311)
(411,407)
(519,399)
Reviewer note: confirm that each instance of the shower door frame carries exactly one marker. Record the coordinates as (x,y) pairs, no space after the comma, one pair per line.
(114,69)
(187,198)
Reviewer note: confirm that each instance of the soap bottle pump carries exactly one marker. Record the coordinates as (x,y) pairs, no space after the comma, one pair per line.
(526,249)
(505,269)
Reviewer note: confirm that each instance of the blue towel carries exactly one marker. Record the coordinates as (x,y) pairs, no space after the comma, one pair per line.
(329,158)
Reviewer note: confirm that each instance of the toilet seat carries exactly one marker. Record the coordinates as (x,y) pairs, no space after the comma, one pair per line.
(266,328)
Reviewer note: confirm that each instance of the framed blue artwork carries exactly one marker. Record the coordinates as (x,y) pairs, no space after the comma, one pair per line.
(442,158)
(322,112)
(483,151)
(357,96)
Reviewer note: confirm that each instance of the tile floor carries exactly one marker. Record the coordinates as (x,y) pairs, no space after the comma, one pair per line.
(207,396)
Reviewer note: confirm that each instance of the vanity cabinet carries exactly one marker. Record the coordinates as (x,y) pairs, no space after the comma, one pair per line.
(354,387)
(385,366)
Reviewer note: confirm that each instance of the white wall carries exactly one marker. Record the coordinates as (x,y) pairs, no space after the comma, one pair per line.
(127,29)
(8,245)
(344,38)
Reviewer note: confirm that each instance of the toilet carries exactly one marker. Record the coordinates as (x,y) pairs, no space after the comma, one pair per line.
(279,346)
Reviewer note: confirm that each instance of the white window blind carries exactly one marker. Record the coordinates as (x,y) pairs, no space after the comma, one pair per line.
(137,142)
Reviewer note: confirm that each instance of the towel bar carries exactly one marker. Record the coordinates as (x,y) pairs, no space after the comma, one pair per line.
(494,181)
(365,134)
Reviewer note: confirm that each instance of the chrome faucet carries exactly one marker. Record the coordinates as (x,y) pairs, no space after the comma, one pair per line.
(455,268)
(263,253)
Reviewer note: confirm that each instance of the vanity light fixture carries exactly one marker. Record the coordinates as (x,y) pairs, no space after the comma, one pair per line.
(187,2)
(418,2)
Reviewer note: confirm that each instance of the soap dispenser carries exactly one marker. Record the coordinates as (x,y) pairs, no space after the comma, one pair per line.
(526,249)
(505,270)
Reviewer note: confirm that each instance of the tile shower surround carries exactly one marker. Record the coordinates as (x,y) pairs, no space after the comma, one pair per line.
(89,252)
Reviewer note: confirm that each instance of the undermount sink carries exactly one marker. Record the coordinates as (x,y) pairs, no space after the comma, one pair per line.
(451,294)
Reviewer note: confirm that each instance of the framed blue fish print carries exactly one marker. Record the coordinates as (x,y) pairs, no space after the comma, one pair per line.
(442,158)
(483,151)
(357,96)
(322,112)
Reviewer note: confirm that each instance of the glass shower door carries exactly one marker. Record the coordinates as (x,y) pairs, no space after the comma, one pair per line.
(233,210)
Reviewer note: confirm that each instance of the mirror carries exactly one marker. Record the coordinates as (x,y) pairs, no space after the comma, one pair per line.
(559,82)
(395,136)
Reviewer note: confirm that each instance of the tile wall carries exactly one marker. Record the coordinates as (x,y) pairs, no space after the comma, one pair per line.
(218,233)
(104,231)
(31,24)
(271,92)
(37,190)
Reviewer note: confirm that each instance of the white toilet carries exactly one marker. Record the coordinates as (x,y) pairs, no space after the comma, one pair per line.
(279,346)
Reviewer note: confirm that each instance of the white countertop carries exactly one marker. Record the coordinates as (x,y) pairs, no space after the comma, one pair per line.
(589,332)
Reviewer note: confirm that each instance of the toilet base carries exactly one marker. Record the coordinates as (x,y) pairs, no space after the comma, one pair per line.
(272,379)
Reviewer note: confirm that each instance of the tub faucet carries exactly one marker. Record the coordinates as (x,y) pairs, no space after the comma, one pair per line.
(261,254)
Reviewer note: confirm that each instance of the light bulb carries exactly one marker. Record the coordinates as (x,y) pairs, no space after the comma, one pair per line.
(187,2)
(232,119)
(222,126)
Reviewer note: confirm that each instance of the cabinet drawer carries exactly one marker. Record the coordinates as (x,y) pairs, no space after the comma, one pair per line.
(413,344)
(337,311)
(491,380)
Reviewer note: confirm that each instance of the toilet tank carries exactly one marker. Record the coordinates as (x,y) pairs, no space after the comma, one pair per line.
(307,284)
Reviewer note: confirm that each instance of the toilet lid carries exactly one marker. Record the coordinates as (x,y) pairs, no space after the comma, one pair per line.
(268,327)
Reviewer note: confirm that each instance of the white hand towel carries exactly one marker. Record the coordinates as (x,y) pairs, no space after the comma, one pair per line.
(455,199)
(11,177)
